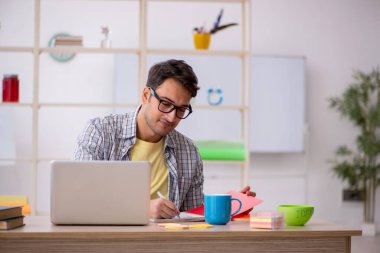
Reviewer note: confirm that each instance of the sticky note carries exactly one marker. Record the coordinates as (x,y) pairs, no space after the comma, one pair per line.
(180,227)
(172,226)
(167,224)
(202,226)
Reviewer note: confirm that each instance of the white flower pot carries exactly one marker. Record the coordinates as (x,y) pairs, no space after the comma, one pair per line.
(369,229)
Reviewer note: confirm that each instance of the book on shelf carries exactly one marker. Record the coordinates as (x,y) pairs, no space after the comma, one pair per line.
(8,212)
(68,41)
(12,223)
(69,38)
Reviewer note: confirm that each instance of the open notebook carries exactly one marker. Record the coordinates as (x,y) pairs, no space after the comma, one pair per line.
(183,217)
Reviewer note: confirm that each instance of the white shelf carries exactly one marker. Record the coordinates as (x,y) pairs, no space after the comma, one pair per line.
(201,107)
(13,104)
(231,53)
(228,53)
(208,1)
(17,49)
(83,105)
(221,107)
(142,53)
(74,49)
(18,159)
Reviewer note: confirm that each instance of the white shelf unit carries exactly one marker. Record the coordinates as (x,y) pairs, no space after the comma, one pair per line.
(142,52)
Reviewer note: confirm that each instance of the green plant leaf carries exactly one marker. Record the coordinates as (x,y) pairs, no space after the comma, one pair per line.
(343,151)
(360,104)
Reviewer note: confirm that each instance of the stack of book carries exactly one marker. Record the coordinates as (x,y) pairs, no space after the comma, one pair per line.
(68,41)
(11,217)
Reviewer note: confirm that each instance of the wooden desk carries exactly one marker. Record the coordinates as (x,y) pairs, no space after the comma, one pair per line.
(39,235)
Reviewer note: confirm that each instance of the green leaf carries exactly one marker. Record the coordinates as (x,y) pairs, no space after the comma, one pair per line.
(360,104)
(343,151)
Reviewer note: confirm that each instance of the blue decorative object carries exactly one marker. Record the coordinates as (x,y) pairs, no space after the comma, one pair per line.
(215,96)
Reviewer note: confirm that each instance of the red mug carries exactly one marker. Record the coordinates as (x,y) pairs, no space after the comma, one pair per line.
(10,88)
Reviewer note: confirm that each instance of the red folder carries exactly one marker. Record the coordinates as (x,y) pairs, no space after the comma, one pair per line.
(248,203)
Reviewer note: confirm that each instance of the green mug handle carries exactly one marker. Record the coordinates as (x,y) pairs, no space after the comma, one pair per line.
(239,206)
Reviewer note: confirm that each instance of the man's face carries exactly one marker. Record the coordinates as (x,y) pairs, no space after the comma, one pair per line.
(170,91)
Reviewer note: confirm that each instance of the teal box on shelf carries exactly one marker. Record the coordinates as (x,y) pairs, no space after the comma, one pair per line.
(221,150)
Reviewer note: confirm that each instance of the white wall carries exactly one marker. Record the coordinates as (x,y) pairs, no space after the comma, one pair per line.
(335,36)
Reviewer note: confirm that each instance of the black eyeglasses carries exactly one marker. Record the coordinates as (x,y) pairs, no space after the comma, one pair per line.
(165,106)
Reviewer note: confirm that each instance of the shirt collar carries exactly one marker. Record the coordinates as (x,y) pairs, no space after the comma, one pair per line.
(129,128)
(169,140)
(129,125)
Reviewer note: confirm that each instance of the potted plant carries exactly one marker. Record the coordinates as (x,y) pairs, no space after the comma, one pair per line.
(360,167)
(202,35)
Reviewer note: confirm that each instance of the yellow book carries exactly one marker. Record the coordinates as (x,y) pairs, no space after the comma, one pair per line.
(16,201)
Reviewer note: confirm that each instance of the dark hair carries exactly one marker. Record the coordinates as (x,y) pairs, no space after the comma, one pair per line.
(176,69)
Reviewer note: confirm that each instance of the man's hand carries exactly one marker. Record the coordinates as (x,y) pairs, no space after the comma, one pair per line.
(247,191)
(162,208)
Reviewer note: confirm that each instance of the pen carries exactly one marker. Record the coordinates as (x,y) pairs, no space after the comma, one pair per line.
(162,197)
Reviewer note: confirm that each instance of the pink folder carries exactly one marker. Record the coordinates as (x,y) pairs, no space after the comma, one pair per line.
(248,202)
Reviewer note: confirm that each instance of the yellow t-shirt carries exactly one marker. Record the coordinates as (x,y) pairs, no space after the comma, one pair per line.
(154,153)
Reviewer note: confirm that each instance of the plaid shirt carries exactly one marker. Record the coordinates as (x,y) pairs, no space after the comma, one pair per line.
(112,137)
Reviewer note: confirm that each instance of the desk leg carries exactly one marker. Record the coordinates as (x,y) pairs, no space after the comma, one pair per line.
(348,244)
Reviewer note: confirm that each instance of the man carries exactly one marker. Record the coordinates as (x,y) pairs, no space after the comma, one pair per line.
(149,134)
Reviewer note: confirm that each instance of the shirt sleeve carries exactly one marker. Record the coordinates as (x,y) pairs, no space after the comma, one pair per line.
(90,143)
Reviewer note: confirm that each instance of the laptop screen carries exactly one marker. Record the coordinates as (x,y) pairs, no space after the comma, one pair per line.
(100,192)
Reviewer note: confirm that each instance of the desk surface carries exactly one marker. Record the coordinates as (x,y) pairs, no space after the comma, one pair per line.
(39,235)
(40,226)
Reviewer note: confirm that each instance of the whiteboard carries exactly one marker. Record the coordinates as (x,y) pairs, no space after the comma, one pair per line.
(277,104)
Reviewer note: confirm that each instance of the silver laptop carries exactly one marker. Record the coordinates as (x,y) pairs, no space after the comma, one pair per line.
(100,192)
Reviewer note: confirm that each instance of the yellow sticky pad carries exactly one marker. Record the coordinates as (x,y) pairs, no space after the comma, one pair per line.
(201,226)
(173,226)
(180,227)
(162,225)
(13,200)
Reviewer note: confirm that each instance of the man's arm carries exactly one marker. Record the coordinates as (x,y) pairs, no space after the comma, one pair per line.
(90,143)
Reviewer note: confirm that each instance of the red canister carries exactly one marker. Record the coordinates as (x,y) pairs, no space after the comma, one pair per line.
(10,88)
